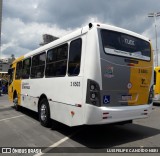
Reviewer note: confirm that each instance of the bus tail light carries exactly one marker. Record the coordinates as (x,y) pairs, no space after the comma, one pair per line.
(93,93)
(151,95)
(105,115)
(145,112)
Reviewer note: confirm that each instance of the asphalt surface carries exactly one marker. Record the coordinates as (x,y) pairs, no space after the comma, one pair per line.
(22,129)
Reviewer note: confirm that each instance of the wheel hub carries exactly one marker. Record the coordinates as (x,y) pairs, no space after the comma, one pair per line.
(43,112)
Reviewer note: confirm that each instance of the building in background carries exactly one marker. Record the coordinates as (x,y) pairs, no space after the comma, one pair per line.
(47,39)
(5,64)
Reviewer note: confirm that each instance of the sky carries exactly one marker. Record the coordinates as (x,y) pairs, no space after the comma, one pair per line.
(25,21)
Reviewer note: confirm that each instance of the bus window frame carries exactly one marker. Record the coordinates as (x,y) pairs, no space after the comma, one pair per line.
(41,53)
(11,75)
(19,70)
(55,61)
(81,43)
(27,68)
(120,50)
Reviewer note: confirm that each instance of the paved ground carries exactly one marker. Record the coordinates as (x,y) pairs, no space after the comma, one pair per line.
(22,129)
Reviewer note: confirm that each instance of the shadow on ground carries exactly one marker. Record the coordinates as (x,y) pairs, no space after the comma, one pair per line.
(101,136)
(156,104)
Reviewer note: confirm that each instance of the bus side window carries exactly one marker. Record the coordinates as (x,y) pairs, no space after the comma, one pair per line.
(38,65)
(61,64)
(56,64)
(11,75)
(19,70)
(74,57)
(26,68)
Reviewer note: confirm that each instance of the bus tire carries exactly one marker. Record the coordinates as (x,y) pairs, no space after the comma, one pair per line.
(15,102)
(44,113)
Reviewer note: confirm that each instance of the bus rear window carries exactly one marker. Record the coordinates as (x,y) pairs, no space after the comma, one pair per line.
(121,44)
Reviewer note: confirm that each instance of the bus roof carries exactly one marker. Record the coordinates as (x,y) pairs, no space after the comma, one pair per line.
(114,28)
(77,33)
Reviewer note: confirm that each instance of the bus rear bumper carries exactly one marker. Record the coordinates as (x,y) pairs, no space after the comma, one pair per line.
(105,115)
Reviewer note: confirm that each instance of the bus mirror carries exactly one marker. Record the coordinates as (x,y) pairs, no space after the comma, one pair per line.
(9,71)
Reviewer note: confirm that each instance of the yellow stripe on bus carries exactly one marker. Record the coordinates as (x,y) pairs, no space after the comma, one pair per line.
(140,78)
(16,85)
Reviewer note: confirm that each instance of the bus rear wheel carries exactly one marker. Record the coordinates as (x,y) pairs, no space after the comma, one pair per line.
(44,113)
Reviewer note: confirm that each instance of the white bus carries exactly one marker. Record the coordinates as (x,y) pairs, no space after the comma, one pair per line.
(98,74)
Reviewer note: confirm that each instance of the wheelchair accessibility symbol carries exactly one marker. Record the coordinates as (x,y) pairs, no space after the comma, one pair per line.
(106,99)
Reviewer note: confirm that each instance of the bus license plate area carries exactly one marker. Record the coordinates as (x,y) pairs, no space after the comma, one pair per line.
(126,97)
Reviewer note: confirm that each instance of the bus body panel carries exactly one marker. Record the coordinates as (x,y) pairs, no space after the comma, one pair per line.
(141,79)
(92,61)
(62,102)
(64,94)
